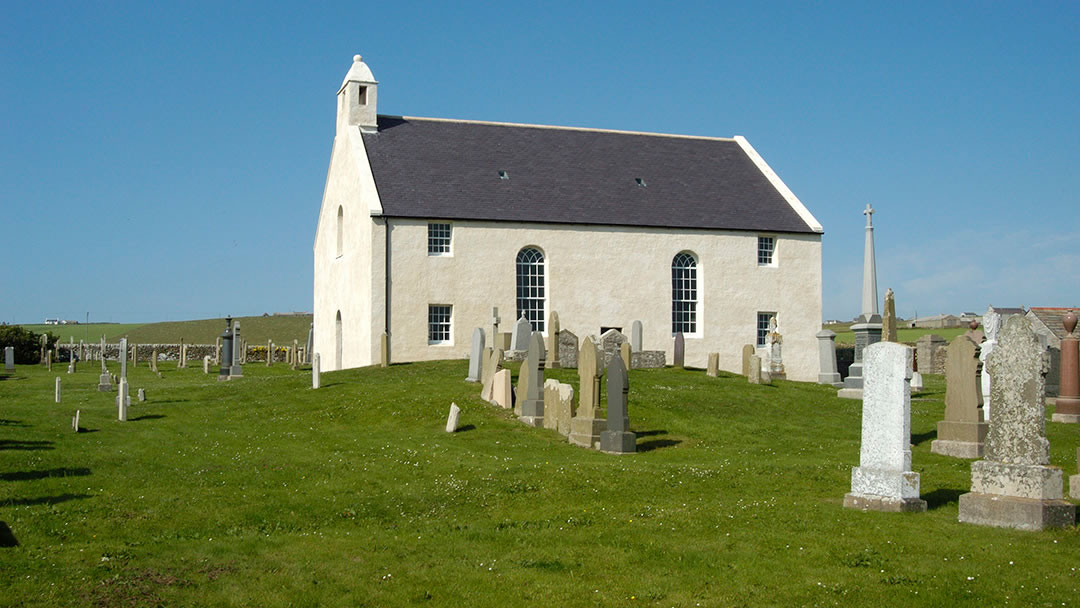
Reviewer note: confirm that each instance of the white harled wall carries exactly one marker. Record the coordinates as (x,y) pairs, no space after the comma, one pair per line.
(598,276)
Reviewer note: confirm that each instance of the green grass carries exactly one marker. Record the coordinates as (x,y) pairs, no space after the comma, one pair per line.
(90,332)
(262,492)
(844,335)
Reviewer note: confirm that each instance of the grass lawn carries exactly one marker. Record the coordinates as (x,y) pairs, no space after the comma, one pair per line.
(262,492)
(91,332)
(283,329)
(844,335)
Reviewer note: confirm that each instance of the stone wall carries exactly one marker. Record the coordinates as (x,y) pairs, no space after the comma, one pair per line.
(171,352)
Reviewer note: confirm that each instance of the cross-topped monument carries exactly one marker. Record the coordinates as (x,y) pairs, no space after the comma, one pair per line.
(868,327)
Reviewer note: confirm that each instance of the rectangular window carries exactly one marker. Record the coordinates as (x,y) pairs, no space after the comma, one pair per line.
(438,239)
(765,247)
(763,326)
(439,323)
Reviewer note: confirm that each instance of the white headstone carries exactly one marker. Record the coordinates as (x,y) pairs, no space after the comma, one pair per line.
(476,355)
(635,336)
(519,340)
(57,389)
(991,329)
(316,372)
(142,394)
(884,481)
(916,382)
(9,358)
(452,419)
(206,364)
(122,400)
(75,422)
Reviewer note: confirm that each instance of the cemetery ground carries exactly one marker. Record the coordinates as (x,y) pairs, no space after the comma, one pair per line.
(283,329)
(263,492)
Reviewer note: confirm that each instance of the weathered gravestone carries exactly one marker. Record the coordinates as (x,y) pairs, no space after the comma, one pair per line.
(679,358)
(122,401)
(551,400)
(316,372)
(452,419)
(476,354)
(530,390)
(75,422)
(929,351)
(384,350)
(1014,486)
(123,357)
(553,360)
(1067,404)
(294,354)
(713,368)
(586,426)
(625,354)
(206,364)
(884,481)
(494,325)
(492,364)
(754,376)
(888,318)
(568,348)
(564,408)
(153,361)
(484,356)
(519,339)
(9,359)
(1074,481)
(105,379)
(617,439)
(963,430)
(502,389)
(827,373)
(269,353)
(636,331)
(142,394)
(916,382)
(748,351)
(609,346)
(57,390)
(774,359)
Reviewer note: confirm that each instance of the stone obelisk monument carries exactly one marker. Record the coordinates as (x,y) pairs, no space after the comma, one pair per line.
(868,327)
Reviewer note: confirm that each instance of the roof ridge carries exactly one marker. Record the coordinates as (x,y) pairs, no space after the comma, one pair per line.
(560,128)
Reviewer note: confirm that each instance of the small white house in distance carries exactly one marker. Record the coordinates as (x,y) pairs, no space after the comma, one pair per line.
(426,224)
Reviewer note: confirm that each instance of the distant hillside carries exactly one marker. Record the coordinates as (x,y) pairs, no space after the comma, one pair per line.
(91,332)
(280,329)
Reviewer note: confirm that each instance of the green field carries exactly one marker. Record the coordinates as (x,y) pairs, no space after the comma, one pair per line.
(263,492)
(282,329)
(844,335)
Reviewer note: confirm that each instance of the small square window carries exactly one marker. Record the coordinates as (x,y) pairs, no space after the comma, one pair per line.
(766,245)
(439,323)
(438,239)
(763,326)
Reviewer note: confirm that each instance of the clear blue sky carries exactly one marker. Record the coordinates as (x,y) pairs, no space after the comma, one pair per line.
(166,161)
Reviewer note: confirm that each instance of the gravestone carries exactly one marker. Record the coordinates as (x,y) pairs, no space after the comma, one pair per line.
(123,357)
(867,327)
(134,355)
(551,402)
(384,350)
(916,382)
(962,432)
(9,359)
(1013,486)
(617,439)
(554,361)
(310,344)
(316,371)
(217,350)
(1067,404)
(121,401)
(680,350)
(491,366)
(748,351)
(1074,481)
(774,359)
(625,354)
(295,354)
(827,373)
(502,392)
(484,356)
(452,419)
(75,422)
(206,364)
(269,353)
(494,325)
(142,394)
(754,377)
(564,408)
(520,337)
(105,379)
(991,329)
(713,368)
(927,349)
(568,348)
(48,359)
(532,404)
(180,360)
(153,361)
(476,354)
(73,364)
(888,318)
(586,425)
(57,390)
(609,346)
(884,481)
(636,331)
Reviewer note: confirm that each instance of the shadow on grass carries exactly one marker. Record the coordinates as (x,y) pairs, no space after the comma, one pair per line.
(654,444)
(44,500)
(918,438)
(7,537)
(28,475)
(651,433)
(467,427)
(941,497)
(8,444)
(157,401)
(148,417)
(6,422)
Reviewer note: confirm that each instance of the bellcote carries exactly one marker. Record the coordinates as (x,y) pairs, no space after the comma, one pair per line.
(357,98)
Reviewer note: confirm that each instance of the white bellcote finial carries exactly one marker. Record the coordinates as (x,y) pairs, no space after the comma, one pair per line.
(357,98)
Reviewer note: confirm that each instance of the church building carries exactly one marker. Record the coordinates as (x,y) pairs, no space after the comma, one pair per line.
(427,223)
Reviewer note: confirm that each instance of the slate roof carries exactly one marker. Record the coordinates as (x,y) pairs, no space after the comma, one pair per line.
(442,169)
(1052,318)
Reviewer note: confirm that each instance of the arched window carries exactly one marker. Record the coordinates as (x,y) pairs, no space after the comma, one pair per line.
(340,230)
(530,286)
(684,293)
(337,341)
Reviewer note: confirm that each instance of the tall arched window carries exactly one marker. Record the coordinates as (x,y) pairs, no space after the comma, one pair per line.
(684,293)
(340,230)
(530,286)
